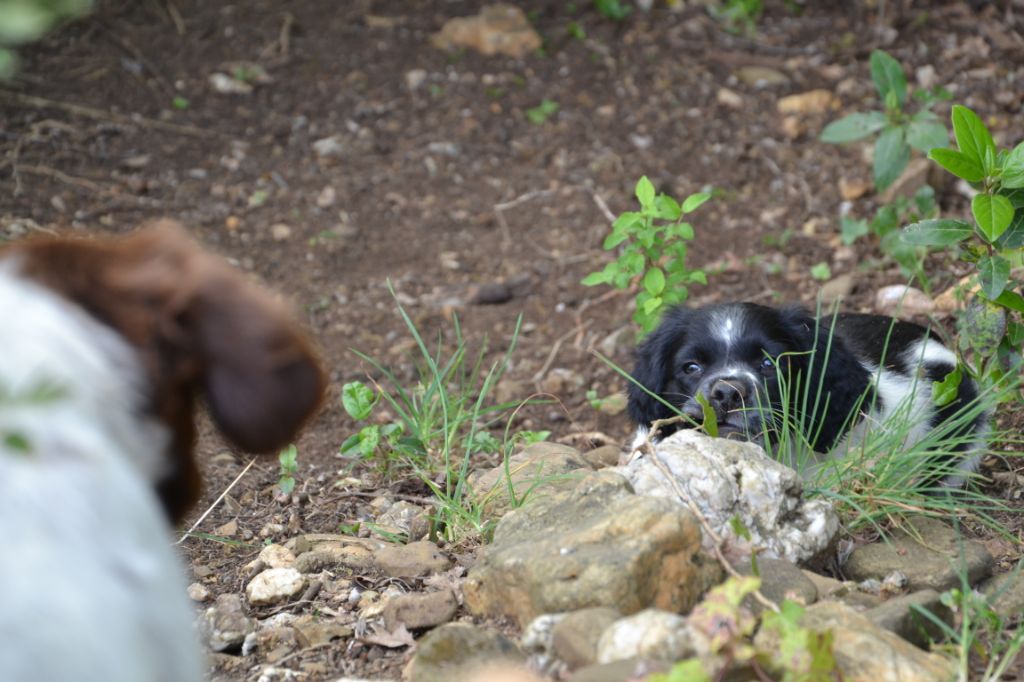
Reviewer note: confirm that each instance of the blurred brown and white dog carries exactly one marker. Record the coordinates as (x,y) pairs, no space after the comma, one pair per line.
(105,346)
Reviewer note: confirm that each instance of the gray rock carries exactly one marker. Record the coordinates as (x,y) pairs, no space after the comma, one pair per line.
(599,545)
(604,456)
(536,470)
(650,634)
(729,479)
(761,76)
(537,635)
(899,615)
(1006,594)
(574,638)
(780,580)
(225,625)
(845,592)
(448,652)
(865,652)
(411,561)
(934,563)
(420,610)
(837,288)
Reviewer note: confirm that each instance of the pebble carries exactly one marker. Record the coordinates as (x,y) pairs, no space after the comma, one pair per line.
(198,592)
(729,99)
(274,585)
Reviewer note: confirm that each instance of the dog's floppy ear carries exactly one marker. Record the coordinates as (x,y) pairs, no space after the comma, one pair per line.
(653,367)
(260,375)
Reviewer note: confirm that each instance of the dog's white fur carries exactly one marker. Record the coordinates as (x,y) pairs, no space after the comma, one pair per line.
(85,544)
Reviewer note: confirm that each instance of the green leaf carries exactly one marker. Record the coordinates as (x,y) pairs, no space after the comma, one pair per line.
(695,201)
(821,271)
(938,232)
(1013,238)
(645,192)
(1012,300)
(17,442)
(358,399)
(682,231)
(993,213)
(710,424)
(993,274)
(651,305)
(927,135)
(958,163)
(1013,168)
(972,136)
(891,156)
(369,439)
(887,75)
(851,230)
(614,239)
(699,276)
(595,278)
(627,221)
(667,208)
(654,281)
(853,127)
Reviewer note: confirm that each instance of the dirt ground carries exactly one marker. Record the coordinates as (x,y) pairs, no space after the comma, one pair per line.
(435,180)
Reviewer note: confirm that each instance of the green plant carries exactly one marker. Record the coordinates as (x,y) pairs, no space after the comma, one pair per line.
(738,16)
(575,31)
(654,253)
(615,10)
(441,423)
(821,271)
(23,21)
(898,131)
(991,329)
(542,112)
(289,465)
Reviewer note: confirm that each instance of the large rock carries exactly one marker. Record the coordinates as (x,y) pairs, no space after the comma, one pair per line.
(451,651)
(420,610)
(411,561)
(538,469)
(600,545)
(935,562)
(865,652)
(780,580)
(730,480)
(498,29)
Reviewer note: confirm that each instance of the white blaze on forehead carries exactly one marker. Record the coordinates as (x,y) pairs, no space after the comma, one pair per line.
(726,325)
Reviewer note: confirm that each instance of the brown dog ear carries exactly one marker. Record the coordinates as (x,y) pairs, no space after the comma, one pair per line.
(260,375)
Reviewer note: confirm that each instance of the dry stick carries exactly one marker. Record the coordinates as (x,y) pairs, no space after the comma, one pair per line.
(521,199)
(99,114)
(647,447)
(216,502)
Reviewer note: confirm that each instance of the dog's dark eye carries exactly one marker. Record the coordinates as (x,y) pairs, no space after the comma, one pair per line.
(767,363)
(691,368)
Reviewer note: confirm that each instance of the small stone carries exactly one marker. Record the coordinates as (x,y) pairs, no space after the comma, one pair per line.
(604,456)
(198,592)
(280,232)
(327,197)
(899,300)
(225,625)
(574,638)
(792,127)
(329,146)
(837,288)
(780,580)
(651,633)
(414,78)
(853,188)
(561,380)
(412,560)
(418,611)
(926,76)
(729,99)
(226,85)
(901,615)
(274,585)
(277,556)
(497,29)
(228,530)
(812,102)
(761,76)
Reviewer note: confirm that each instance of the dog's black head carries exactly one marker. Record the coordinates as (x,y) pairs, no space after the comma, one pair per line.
(736,355)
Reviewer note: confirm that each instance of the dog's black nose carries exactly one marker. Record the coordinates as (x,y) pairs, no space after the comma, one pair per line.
(727,395)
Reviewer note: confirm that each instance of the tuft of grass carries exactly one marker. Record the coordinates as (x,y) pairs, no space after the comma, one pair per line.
(441,423)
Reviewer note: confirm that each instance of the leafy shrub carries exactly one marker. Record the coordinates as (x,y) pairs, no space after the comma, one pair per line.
(898,131)
(991,328)
(654,254)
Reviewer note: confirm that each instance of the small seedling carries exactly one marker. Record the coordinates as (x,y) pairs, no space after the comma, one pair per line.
(542,112)
(653,255)
(897,130)
(289,465)
(821,271)
(615,10)
(738,16)
(180,103)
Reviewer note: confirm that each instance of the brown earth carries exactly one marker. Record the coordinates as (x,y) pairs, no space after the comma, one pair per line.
(438,183)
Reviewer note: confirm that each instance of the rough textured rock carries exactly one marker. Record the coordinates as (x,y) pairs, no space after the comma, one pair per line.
(934,563)
(225,625)
(277,556)
(538,635)
(404,517)
(274,585)
(597,546)
(420,610)
(498,29)
(731,479)
(780,580)
(1006,594)
(319,551)
(411,561)
(845,592)
(811,102)
(650,634)
(866,653)
(449,652)
(574,638)
(604,456)
(899,615)
(538,469)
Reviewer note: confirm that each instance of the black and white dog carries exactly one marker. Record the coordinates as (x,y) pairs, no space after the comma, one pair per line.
(868,368)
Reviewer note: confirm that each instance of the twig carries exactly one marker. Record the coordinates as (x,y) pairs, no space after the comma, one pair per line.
(216,502)
(101,115)
(64,177)
(521,199)
(179,23)
(647,448)
(602,205)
